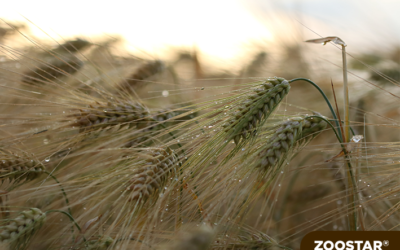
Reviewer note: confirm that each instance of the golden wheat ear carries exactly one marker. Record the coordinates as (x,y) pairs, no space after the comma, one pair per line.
(101,116)
(17,232)
(53,70)
(17,168)
(137,79)
(72,46)
(151,178)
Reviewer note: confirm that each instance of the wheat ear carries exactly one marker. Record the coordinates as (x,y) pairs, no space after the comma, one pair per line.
(72,46)
(18,231)
(292,133)
(160,120)
(143,72)
(17,168)
(256,108)
(102,243)
(53,70)
(101,116)
(152,177)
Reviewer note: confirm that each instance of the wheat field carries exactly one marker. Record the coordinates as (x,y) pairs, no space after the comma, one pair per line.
(102,149)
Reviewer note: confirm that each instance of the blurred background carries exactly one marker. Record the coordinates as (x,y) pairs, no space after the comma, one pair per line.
(225,32)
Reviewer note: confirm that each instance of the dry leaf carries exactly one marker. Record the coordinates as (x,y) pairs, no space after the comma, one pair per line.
(328,39)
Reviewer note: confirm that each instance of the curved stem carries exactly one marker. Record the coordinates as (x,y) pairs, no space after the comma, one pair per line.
(62,190)
(70,217)
(333,128)
(324,96)
(351,129)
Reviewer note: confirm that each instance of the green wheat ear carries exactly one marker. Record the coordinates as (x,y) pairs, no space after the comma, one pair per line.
(247,113)
(18,231)
(102,243)
(288,137)
(256,108)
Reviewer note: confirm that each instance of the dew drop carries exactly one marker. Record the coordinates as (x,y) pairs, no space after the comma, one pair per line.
(47,159)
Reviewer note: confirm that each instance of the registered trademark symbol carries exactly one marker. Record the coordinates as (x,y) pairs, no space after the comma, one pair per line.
(386,243)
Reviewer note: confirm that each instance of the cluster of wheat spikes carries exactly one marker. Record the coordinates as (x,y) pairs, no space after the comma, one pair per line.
(99,151)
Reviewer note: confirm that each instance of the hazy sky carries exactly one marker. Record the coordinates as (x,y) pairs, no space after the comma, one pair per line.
(218,27)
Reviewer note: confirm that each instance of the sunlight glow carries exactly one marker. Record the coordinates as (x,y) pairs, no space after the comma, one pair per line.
(217,28)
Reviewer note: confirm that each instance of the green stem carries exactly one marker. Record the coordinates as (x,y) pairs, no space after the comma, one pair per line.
(70,217)
(345,95)
(350,177)
(324,96)
(62,190)
(351,129)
